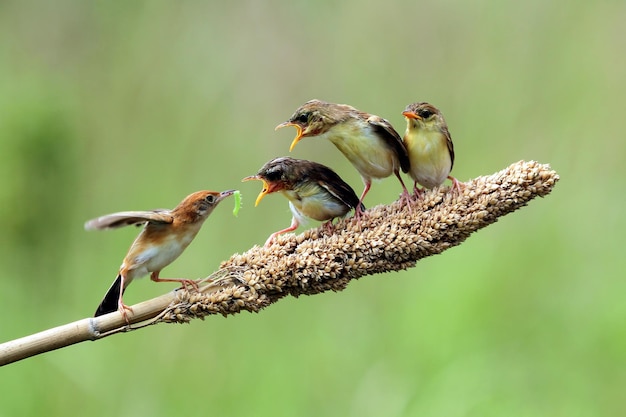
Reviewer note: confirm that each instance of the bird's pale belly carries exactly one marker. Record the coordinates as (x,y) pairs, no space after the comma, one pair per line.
(431,175)
(369,155)
(430,162)
(151,258)
(318,207)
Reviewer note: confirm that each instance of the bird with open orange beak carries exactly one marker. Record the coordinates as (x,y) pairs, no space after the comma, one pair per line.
(314,191)
(369,142)
(429,145)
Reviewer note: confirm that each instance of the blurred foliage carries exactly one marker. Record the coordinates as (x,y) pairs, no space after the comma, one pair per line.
(108,106)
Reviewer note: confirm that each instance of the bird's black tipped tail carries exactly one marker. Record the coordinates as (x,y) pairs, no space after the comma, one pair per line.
(110,301)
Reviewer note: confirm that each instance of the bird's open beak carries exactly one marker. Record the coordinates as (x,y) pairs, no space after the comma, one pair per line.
(411,115)
(298,132)
(267,188)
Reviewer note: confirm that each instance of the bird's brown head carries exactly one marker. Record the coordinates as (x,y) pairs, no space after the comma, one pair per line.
(315,117)
(277,175)
(423,116)
(199,205)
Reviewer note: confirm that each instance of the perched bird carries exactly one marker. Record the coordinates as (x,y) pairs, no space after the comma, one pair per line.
(368,141)
(165,236)
(429,144)
(313,190)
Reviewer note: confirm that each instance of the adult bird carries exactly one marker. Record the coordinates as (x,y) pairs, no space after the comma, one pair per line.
(166,234)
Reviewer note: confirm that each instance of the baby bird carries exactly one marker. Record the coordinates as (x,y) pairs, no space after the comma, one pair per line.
(429,145)
(313,190)
(369,142)
(166,234)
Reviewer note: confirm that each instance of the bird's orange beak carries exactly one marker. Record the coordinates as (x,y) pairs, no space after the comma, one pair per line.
(411,115)
(298,132)
(267,188)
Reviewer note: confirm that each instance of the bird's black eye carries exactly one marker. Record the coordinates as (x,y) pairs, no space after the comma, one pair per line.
(425,113)
(274,175)
(302,118)
(210,199)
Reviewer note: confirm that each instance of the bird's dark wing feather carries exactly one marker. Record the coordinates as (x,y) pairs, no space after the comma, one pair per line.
(332,182)
(450,145)
(392,138)
(126,218)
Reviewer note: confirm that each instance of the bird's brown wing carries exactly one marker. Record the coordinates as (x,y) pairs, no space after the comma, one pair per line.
(338,188)
(126,218)
(450,145)
(392,138)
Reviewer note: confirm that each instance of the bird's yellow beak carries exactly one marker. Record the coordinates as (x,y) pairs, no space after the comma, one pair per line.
(411,115)
(298,132)
(266,188)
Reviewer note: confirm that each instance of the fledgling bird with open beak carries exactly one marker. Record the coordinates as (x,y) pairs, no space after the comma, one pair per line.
(369,142)
(313,190)
(429,145)
(166,234)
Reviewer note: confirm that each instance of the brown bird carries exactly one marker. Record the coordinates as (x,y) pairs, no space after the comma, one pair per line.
(166,234)
(368,141)
(313,190)
(429,145)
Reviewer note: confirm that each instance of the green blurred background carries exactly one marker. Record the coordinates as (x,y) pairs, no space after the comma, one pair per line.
(108,106)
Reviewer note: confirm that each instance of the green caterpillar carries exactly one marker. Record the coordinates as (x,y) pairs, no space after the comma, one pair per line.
(237,196)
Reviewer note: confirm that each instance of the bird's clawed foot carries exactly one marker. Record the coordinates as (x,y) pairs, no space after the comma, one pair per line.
(457,185)
(406,199)
(184,282)
(359,214)
(269,240)
(293,226)
(328,227)
(187,283)
(121,307)
(417,193)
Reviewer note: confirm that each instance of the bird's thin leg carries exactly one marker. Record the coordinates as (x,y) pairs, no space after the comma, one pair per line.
(358,211)
(456,184)
(120,304)
(184,282)
(417,193)
(294,225)
(328,226)
(406,197)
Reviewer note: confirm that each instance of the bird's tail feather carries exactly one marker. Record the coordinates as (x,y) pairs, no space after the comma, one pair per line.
(109,303)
